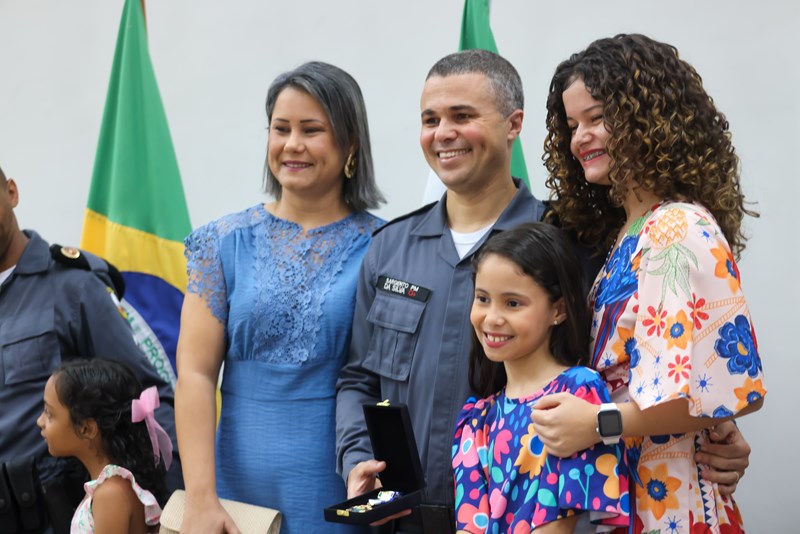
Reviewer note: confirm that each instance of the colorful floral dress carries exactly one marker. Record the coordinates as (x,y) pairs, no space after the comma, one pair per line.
(507,482)
(83,521)
(670,321)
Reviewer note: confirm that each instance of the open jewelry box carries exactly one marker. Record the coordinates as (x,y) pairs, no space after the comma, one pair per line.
(392,438)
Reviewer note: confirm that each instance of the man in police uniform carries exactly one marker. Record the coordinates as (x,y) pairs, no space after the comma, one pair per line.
(53,307)
(412,347)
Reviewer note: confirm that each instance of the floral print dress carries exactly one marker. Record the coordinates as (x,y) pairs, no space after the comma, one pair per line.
(507,482)
(670,321)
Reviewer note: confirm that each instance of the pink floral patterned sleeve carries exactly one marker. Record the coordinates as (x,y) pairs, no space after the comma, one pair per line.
(670,321)
(693,327)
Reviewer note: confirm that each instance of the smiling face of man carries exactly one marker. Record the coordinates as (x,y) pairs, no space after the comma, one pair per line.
(465,138)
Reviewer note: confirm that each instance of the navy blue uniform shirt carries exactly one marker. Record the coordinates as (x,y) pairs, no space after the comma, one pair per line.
(49,313)
(411,337)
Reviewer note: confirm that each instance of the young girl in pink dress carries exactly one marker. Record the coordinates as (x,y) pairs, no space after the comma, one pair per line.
(96,411)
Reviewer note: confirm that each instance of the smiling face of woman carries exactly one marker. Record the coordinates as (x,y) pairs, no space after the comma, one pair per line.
(302,150)
(589,134)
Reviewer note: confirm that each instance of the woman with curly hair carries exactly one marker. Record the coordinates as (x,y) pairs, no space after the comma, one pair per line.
(640,162)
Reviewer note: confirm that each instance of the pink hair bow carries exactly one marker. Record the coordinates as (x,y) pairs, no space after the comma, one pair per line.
(143,409)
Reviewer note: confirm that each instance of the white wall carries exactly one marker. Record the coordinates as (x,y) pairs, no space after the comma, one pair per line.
(214,61)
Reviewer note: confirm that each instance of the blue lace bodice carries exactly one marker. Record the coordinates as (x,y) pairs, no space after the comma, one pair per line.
(273,286)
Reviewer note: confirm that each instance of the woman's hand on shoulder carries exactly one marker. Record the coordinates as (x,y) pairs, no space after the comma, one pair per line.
(207,517)
(565,423)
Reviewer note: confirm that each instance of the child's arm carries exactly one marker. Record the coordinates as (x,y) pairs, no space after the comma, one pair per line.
(116,509)
(567,424)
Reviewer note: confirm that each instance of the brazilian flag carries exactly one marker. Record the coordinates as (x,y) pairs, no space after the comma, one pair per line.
(476,32)
(136,215)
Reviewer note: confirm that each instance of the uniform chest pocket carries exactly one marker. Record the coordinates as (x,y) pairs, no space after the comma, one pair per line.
(395,329)
(29,347)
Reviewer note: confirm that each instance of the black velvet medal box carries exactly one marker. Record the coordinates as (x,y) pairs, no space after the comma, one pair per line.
(392,439)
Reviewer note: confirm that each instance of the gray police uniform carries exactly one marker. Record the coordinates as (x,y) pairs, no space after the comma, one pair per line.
(49,313)
(411,337)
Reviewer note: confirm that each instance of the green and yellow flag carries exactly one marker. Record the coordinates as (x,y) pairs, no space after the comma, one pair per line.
(136,215)
(476,32)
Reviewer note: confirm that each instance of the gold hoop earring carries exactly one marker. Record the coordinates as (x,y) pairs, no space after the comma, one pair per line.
(350,166)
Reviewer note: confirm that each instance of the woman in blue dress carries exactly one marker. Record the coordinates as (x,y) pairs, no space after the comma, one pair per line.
(271,293)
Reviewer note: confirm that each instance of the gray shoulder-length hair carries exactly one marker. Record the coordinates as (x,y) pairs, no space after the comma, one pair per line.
(339,95)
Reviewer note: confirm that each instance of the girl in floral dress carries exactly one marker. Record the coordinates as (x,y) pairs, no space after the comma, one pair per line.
(96,411)
(531,330)
(641,163)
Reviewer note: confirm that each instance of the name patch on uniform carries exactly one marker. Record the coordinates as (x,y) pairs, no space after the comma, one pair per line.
(403,288)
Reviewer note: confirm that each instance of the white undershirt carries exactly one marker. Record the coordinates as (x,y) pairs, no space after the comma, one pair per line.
(5,274)
(464,242)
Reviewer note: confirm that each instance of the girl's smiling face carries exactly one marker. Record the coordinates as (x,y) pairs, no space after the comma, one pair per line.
(512,315)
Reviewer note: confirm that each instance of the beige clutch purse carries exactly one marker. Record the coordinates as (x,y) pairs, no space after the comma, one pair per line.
(249,518)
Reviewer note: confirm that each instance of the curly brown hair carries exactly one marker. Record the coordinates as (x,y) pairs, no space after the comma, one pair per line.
(666,135)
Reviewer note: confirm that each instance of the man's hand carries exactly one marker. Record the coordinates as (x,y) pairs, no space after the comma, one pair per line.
(726,458)
(363,478)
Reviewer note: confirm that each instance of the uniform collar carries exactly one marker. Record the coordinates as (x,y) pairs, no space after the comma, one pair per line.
(36,256)
(524,207)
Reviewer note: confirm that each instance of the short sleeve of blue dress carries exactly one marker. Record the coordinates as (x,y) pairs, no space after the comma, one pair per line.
(507,482)
(286,298)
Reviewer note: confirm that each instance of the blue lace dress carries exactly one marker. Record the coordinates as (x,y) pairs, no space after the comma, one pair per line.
(286,299)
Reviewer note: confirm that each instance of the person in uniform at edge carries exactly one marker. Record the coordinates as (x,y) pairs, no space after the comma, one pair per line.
(411,331)
(52,311)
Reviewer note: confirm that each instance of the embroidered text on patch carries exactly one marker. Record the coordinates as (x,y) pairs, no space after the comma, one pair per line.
(403,288)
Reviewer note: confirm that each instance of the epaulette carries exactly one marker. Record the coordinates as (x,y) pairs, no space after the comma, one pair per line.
(417,211)
(80,259)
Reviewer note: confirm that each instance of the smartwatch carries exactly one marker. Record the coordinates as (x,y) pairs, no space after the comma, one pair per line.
(609,423)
